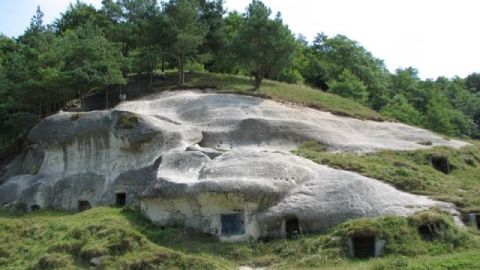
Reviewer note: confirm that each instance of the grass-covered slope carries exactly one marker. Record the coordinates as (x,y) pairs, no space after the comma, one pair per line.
(293,93)
(412,171)
(123,240)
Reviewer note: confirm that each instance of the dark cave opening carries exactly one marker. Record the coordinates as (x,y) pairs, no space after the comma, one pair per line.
(364,247)
(83,206)
(120,199)
(292,227)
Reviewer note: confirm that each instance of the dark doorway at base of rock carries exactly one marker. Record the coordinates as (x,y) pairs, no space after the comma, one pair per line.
(292,227)
(233,224)
(440,163)
(427,231)
(363,247)
(120,199)
(83,205)
(34,207)
(477,219)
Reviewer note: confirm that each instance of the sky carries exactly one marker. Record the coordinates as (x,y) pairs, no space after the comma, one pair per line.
(438,37)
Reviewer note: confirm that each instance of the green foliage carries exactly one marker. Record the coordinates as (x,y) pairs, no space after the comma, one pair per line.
(438,116)
(79,14)
(349,86)
(339,53)
(125,240)
(188,32)
(90,60)
(472,82)
(56,240)
(399,108)
(88,49)
(264,46)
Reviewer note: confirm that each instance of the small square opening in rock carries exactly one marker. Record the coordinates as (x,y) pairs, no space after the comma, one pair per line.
(34,207)
(428,231)
(440,163)
(83,205)
(233,224)
(292,227)
(120,199)
(477,220)
(364,247)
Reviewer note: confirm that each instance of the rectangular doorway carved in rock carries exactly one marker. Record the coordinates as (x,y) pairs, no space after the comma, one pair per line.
(233,224)
(364,247)
(120,199)
(292,227)
(83,205)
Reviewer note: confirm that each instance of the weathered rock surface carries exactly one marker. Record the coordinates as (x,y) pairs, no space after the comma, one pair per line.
(232,121)
(270,187)
(191,157)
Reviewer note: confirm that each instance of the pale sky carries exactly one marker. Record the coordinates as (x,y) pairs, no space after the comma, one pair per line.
(438,37)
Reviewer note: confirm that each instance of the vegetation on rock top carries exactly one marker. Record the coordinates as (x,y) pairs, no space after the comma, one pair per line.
(412,171)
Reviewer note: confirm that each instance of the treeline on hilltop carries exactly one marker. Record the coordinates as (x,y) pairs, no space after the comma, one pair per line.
(88,48)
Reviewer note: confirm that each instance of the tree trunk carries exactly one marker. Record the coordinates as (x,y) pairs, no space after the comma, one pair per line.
(150,78)
(180,72)
(106,97)
(163,65)
(258,79)
(183,75)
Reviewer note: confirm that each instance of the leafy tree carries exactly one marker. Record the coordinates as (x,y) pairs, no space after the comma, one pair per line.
(293,72)
(401,110)
(336,54)
(212,13)
(407,83)
(127,19)
(349,86)
(438,114)
(90,60)
(227,62)
(188,32)
(472,82)
(7,45)
(79,14)
(264,46)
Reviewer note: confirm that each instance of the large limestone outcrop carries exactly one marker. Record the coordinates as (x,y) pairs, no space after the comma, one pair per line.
(216,163)
(268,188)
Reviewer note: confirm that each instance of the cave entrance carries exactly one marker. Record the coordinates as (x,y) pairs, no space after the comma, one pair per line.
(233,224)
(428,231)
(477,221)
(34,207)
(120,199)
(83,206)
(292,227)
(363,247)
(440,163)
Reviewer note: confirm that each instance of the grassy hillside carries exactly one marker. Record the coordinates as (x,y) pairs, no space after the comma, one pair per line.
(59,240)
(412,171)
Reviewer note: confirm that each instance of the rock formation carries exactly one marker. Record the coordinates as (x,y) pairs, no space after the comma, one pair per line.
(216,163)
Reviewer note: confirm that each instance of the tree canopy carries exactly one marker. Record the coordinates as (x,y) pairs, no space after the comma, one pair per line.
(88,49)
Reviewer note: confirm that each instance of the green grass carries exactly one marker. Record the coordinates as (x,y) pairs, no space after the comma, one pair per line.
(292,93)
(411,171)
(58,240)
